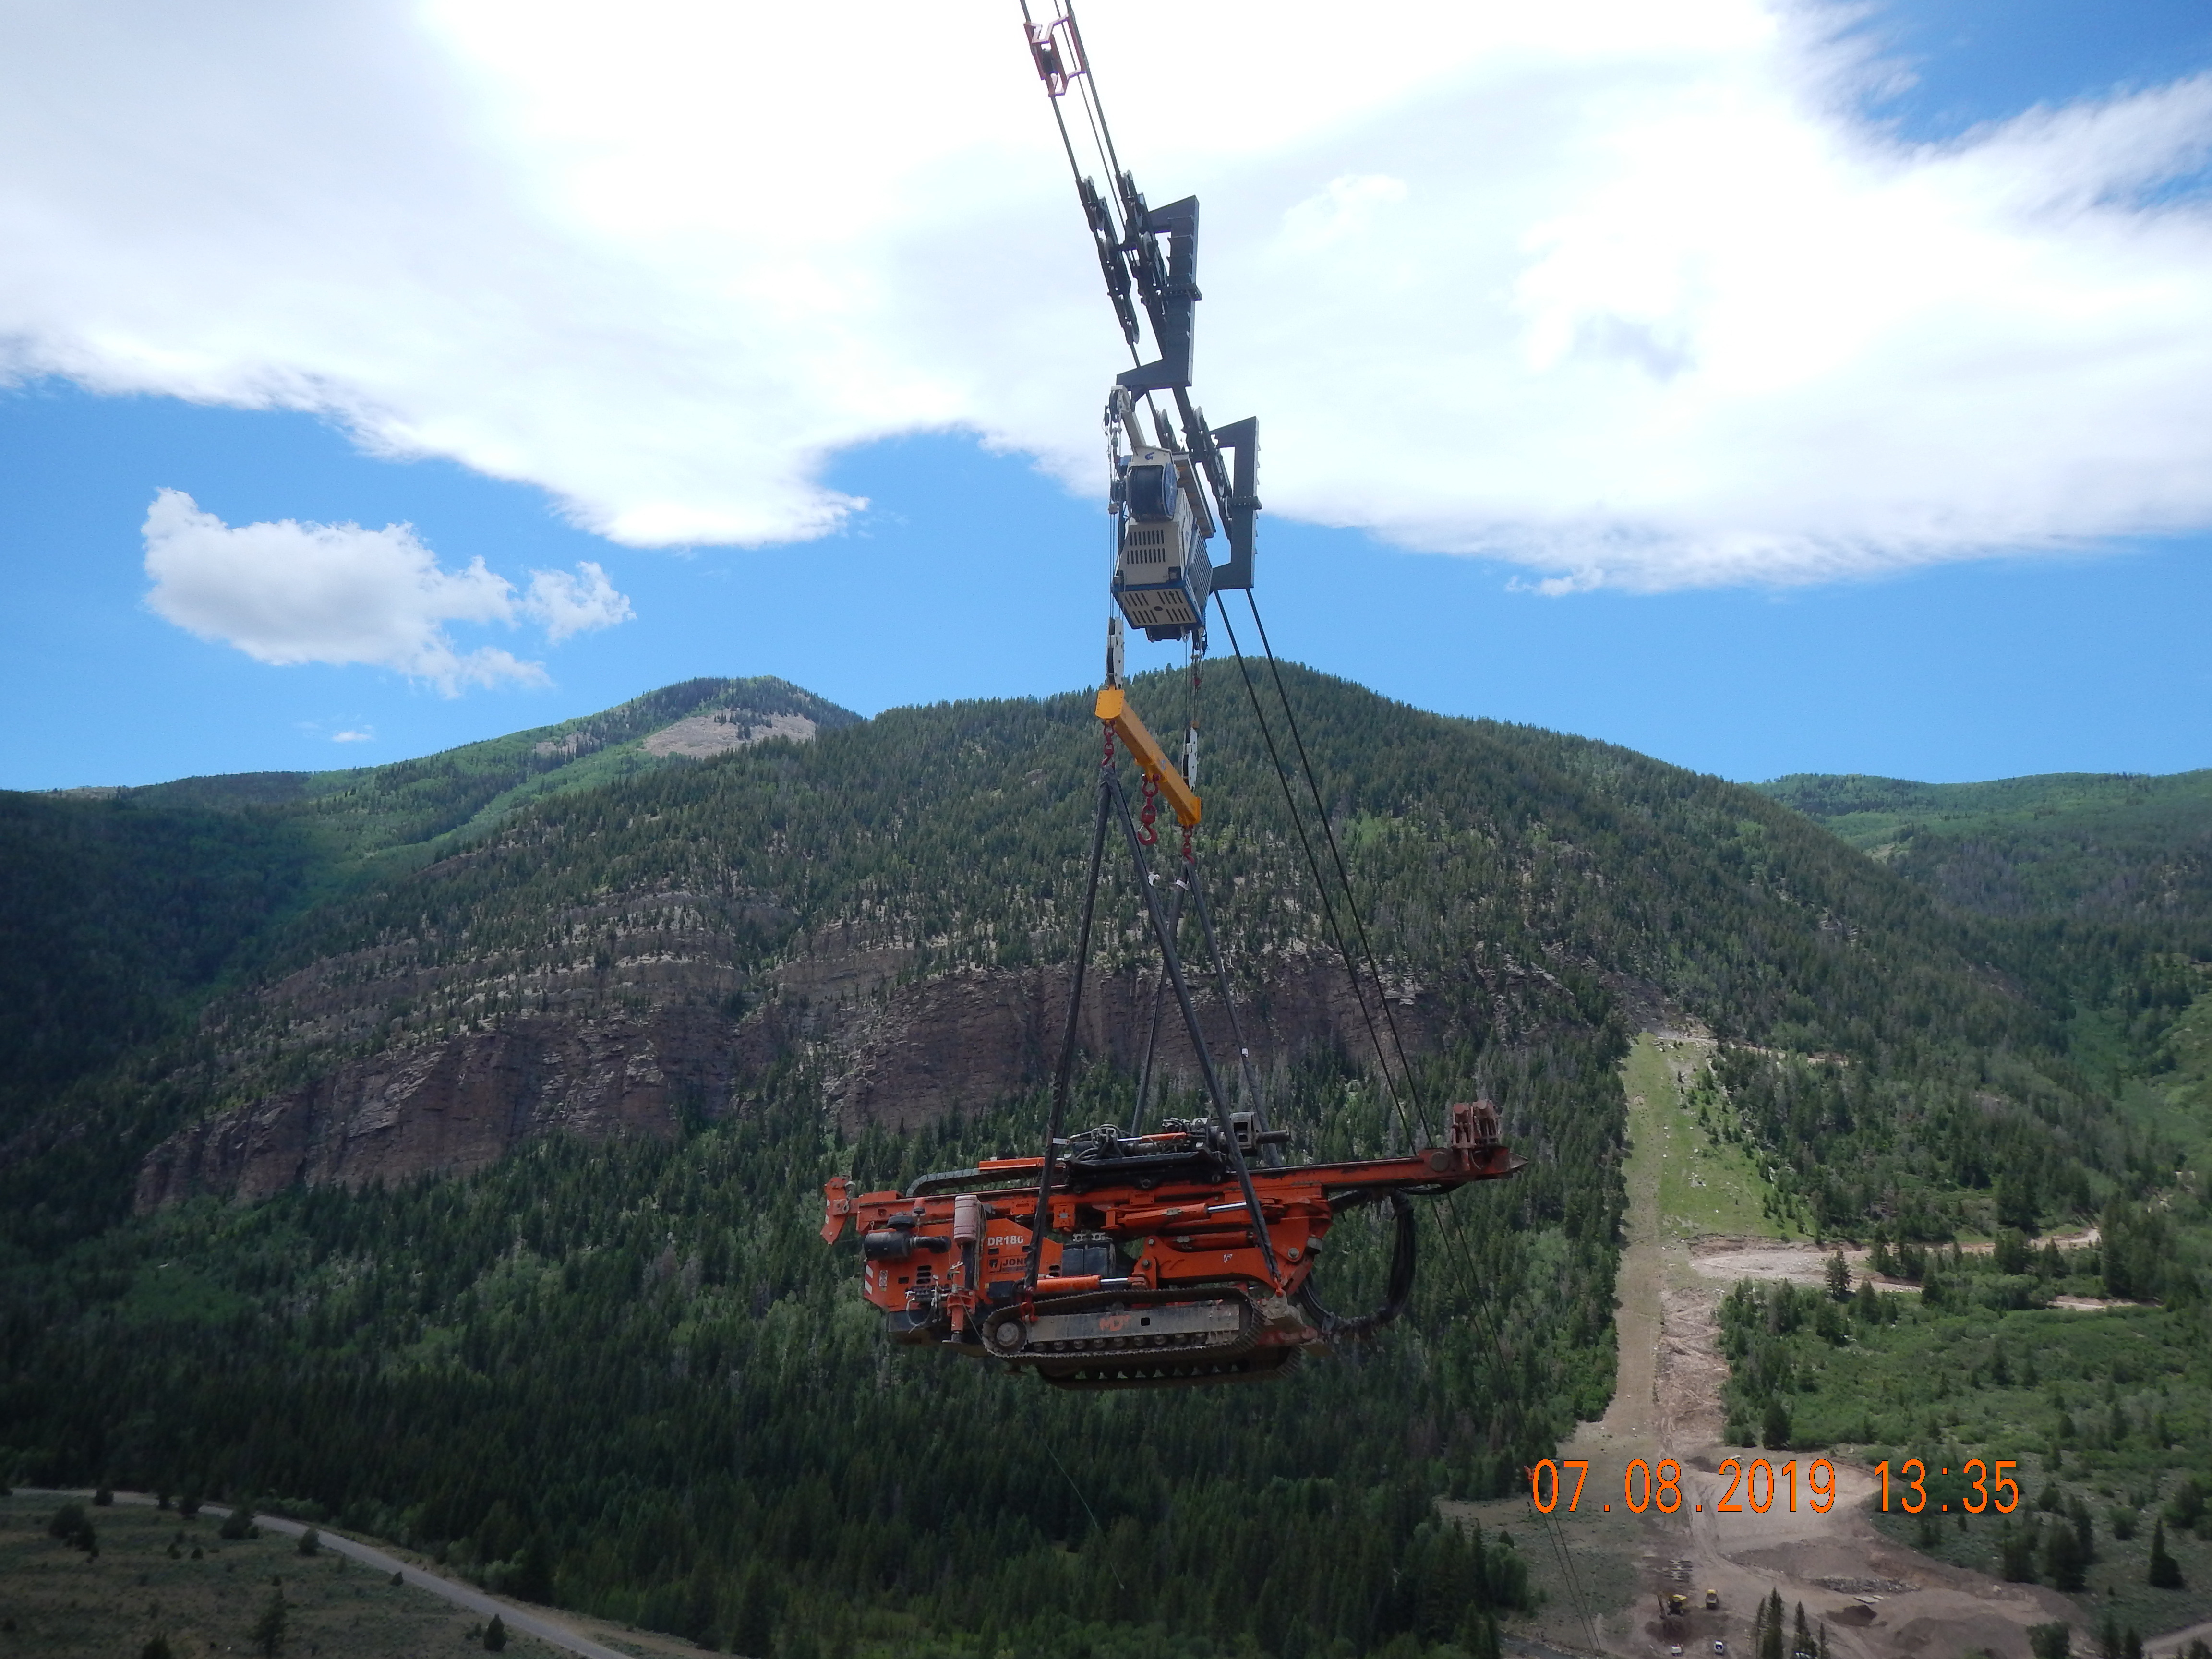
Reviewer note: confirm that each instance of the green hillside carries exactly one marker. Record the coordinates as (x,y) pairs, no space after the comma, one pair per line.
(627,1376)
(122,909)
(1529,879)
(2085,845)
(409,807)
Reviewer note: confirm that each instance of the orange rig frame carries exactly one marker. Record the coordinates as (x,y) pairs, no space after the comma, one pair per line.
(1150,1274)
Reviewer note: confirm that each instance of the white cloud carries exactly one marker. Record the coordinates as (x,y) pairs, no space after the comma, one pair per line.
(568,605)
(289,593)
(353,737)
(1624,293)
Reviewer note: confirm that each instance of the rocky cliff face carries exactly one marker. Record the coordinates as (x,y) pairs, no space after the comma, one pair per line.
(447,1106)
(673,1036)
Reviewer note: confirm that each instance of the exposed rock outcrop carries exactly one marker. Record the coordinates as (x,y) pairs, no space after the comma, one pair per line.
(702,736)
(450,1107)
(891,1052)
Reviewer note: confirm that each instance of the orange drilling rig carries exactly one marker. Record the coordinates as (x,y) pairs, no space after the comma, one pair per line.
(1150,1270)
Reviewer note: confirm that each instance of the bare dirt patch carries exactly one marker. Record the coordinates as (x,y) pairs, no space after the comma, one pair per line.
(701,736)
(1728,1260)
(1691,1373)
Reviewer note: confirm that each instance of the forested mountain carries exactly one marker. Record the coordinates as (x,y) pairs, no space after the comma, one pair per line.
(122,910)
(2083,845)
(2092,892)
(615,1366)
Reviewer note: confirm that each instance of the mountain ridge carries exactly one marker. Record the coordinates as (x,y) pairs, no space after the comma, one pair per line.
(630,955)
(2114,846)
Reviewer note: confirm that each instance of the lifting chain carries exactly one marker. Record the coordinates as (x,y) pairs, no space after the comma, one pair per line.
(1145,833)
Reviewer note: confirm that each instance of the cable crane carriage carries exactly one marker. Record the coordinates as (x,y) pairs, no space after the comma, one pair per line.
(1184,1255)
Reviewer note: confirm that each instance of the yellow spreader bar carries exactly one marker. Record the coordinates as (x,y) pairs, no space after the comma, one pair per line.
(1114,708)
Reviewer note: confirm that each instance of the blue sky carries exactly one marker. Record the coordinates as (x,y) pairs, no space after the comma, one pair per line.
(977,570)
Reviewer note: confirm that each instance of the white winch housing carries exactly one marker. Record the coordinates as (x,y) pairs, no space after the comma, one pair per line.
(1161,574)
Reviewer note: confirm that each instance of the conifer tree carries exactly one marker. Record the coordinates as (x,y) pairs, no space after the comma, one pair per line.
(2165,1573)
(269,1628)
(2061,1559)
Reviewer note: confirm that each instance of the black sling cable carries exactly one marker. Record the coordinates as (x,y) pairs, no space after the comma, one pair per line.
(1327,909)
(1065,1070)
(1350,901)
(1269,1152)
(1252,1210)
(1152,1030)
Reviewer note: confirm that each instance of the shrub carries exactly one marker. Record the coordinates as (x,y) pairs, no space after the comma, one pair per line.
(104,1498)
(494,1635)
(73,1528)
(238,1525)
(2187,1504)
(311,1542)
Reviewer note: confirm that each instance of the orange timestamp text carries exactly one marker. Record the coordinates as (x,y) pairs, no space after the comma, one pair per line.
(1752,1487)
(1986,1486)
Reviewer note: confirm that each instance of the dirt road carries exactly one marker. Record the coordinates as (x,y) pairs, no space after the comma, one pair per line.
(546,1626)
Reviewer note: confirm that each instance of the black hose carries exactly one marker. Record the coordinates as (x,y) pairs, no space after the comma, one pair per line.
(1397,1291)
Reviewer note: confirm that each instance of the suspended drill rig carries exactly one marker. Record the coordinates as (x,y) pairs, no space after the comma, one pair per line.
(1183,1255)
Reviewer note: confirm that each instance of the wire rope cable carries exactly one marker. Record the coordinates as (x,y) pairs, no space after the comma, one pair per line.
(1336,855)
(1313,864)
